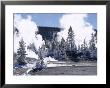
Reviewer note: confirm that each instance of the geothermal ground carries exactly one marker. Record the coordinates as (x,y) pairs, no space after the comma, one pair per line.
(64,68)
(67,70)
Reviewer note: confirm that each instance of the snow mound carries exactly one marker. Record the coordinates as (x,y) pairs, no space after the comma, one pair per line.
(31,54)
(47,59)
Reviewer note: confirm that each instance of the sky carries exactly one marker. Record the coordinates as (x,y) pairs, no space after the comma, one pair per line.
(82,26)
(52,19)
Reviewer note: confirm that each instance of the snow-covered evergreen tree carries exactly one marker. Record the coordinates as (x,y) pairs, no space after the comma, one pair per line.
(85,50)
(21,53)
(70,40)
(79,48)
(32,47)
(92,47)
(62,48)
(92,42)
(42,52)
(63,44)
(84,46)
(55,48)
(71,49)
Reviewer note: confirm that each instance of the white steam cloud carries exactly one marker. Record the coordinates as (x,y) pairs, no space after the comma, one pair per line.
(82,29)
(27,29)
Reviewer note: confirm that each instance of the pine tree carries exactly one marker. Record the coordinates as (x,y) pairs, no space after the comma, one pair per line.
(84,49)
(21,53)
(79,48)
(92,47)
(70,40)
(62,48)
(92,42)
(42,52)
(63,44)
(32,47)
(84,46)
(71,49)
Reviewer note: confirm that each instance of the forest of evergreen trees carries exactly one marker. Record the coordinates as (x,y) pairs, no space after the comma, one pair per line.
(64,50)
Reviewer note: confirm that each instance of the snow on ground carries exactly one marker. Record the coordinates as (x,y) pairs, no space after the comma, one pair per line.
(31,54)
(29,67)
(48,59)
(65,63)
(57,65)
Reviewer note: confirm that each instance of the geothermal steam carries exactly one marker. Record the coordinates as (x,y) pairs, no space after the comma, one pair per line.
(26,30)
(82,29)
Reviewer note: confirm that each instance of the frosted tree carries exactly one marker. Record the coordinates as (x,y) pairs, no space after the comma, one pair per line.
(84,50)
(70,40)
(32,47)
(92,42)
(42,52)
(62,48)
(63,44)
(95,36)
(71,49)
(92,47)
(79,48)
(55,48)
(21,53)
(84,46)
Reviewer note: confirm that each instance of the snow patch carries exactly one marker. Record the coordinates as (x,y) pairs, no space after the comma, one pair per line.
(47,59)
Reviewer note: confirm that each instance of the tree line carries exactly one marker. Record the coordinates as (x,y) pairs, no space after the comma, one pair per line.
(64,50)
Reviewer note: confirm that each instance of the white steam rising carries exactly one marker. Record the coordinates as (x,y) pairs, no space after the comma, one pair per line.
(27,29)
(82,29)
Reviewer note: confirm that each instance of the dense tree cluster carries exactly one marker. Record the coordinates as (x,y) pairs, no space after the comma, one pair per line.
(67,50)
(63,50)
